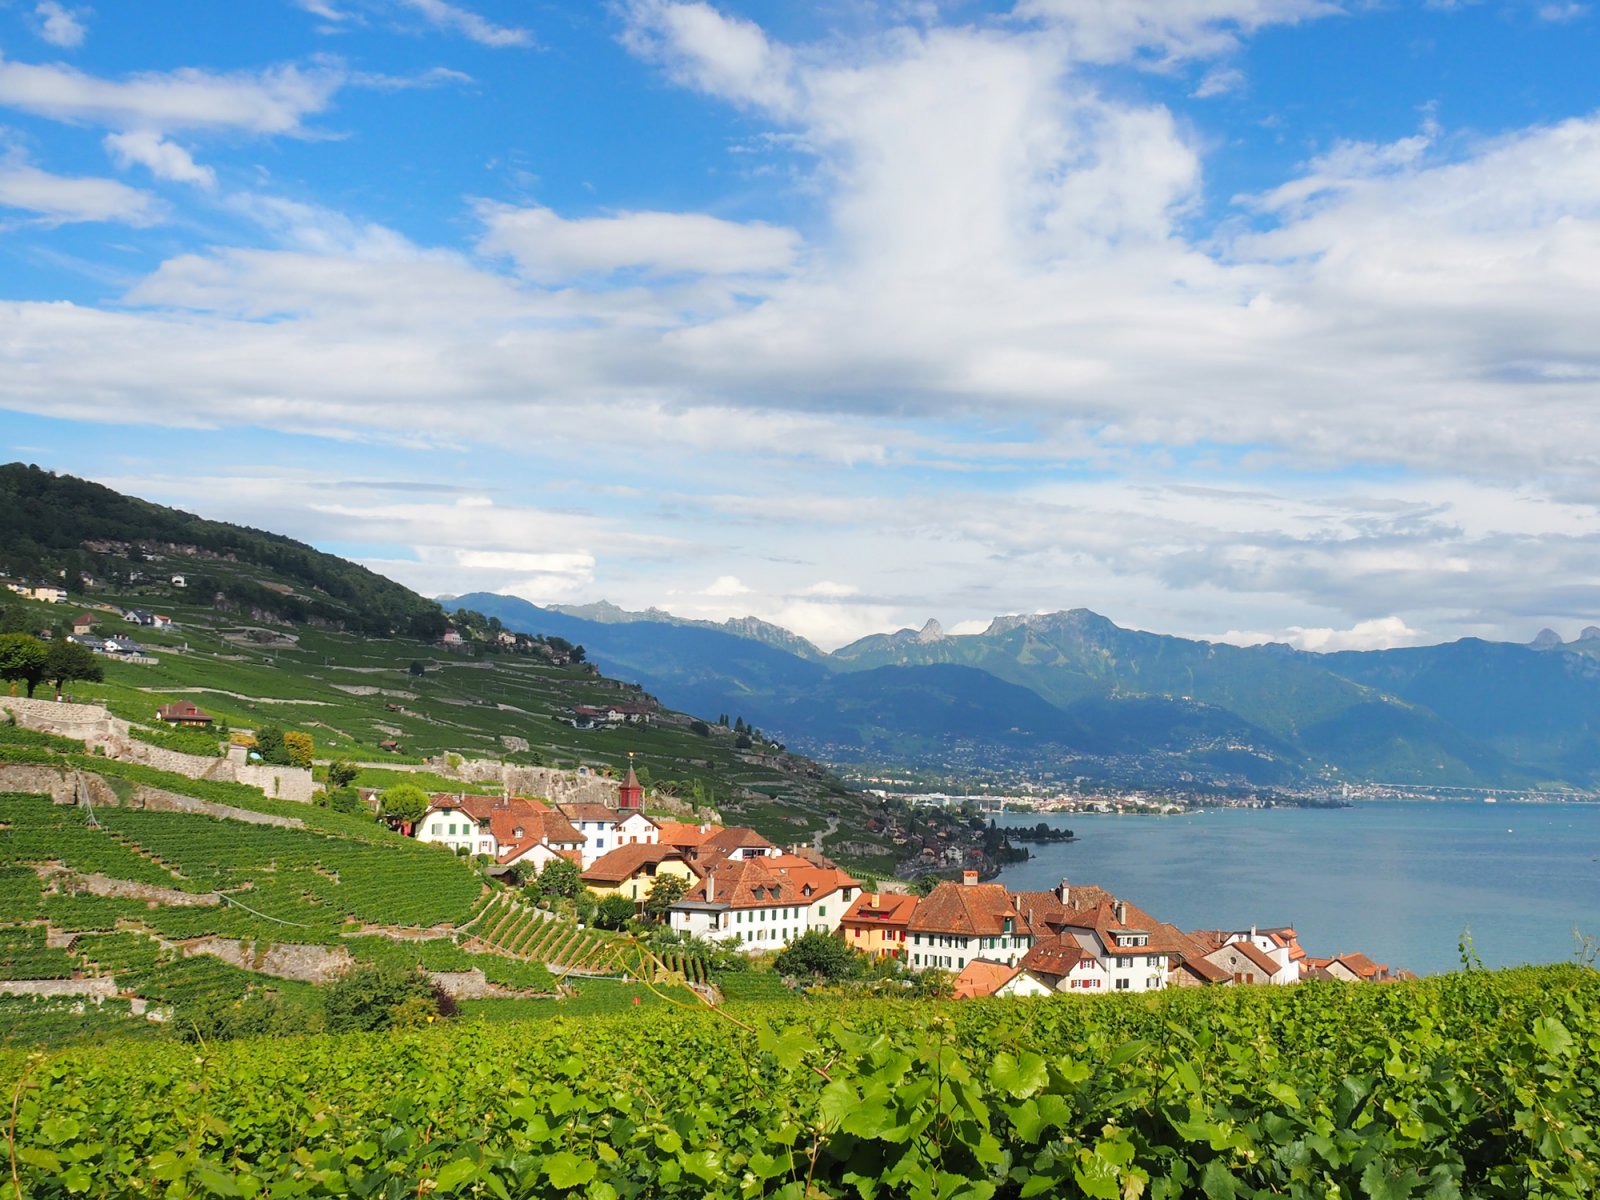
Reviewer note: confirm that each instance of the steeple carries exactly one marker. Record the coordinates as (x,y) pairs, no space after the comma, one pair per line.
(630,796)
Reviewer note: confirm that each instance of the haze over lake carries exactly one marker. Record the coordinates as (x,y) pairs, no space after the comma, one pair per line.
(1396,880)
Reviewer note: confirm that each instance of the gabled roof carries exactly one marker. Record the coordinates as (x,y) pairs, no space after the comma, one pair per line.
(1206,971)
(886,910)
(1044,910)
(599,812)
(183,710)
(1249,951)
(623,863)
(761,882)
(967,910)
(1360,964)
(1058,956)
(734,837)
(676,833)
(980,977)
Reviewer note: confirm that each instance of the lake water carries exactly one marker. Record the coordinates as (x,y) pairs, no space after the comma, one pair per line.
(1396,880)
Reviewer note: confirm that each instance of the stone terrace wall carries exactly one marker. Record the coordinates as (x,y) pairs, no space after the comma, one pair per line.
(102,988)
(95,726)
(548,783)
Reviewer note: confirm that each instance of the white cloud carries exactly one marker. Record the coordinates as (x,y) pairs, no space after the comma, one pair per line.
(63,199)
(726,585)
(828,588)
(547,247)
(271,101)
(1562,13)
(564,563)
(1381,633)
(59,25)
(719,54)
(469,24)
(1112,30)
(163,159)
(1219,81)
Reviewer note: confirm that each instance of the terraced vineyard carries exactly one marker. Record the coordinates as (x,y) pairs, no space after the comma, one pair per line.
(523,931)
(1476,1086)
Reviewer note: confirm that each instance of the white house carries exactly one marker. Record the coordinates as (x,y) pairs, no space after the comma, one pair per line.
(764,903)
(957,923)
(605,828)
(507,829)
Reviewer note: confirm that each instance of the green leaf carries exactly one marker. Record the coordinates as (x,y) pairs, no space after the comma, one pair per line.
(1018,1078)
(45,1160)
(1217,1182)
(1552,1037)
(1381,1182)
(454,1174)
(77,1178)
(566,1170)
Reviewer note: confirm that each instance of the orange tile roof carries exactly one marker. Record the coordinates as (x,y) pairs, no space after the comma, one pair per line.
(967,909)
(762,882)
(1058,955)
(1250,952)
(980,977)
(623,863)
(676,833)
(735,837)
(881,910)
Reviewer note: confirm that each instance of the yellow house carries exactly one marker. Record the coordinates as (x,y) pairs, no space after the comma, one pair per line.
(632,870)
(876,924)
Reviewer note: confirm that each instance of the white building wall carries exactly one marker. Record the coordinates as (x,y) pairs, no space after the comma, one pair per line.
(457,831)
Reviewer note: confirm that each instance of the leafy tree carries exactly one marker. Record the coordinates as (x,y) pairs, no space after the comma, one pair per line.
(664,893)
(820,953)
(381,997)
(578,654)
(342,774)
(404,804)
(561,877)
(699,728)
(299,747)
(429,626)
(743,741)
(66,661)
(417,669)
(923,885)
(269,745)
(22,659)
(13,618)
(346,800)
(613,912)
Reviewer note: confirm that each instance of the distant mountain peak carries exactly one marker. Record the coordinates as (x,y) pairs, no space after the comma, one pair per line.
(1546,639)
(1590,633)
(931,632)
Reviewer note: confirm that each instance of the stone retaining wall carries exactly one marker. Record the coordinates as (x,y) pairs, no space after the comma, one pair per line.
(469,985)
(126,889)
(310,964)
(94,725)
(103,987)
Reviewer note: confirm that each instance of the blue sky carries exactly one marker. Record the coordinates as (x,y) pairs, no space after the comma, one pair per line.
(1231,318)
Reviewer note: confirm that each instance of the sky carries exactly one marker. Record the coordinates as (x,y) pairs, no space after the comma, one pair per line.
(1238,319)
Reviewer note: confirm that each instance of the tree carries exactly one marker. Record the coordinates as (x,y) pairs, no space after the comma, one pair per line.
(342,774)
(417,669)
(382,997)
(13,618)
(346,800)
(269,745)
(560,877)
(613,912)
(923,885)
(22,659)
(933,984)
(299,748)
(664,893)
(67,661)
(403,804)
(820,953)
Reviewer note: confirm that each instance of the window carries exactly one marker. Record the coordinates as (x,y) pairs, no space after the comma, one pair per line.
(1122,985)
(822,910)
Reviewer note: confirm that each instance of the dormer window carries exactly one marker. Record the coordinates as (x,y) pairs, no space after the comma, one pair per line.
(1008,925)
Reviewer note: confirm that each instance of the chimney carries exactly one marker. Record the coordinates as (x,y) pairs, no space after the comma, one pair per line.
(968,878)
(711,886)
(1063,892)
(1121,911)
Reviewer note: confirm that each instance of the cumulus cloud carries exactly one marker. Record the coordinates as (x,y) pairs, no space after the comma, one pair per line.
(162,158)
(726,585)
(60,25)
(721,55)
(547,247)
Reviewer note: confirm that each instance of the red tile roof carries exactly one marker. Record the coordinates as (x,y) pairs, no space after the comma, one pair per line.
(762,882)
(623,863)
(968,910)
(1057,956)
(881,910)
(980,977)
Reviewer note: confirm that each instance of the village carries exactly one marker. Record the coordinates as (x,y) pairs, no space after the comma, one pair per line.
(733,886)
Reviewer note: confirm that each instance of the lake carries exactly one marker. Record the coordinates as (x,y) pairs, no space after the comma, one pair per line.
(1397,880)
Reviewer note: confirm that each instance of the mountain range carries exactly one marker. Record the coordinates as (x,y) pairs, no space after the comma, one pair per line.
(1072,693)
